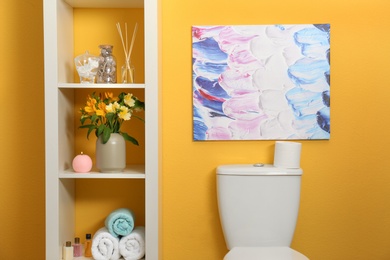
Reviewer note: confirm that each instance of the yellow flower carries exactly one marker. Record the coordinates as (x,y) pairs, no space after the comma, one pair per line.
(101,111)
(128,99)
(109,96)
(124,113)
(91,105)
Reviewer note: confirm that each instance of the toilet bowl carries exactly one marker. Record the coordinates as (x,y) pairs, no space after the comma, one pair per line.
(258,207)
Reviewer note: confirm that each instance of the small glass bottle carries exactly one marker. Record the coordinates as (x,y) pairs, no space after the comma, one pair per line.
(67,252)
(77,248)
(107,65)
(88,246)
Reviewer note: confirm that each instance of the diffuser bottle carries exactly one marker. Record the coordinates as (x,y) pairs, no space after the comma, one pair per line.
(88,246)
(67,253)
(77,248)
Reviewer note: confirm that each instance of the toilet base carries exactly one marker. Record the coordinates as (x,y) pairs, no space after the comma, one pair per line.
(264,253)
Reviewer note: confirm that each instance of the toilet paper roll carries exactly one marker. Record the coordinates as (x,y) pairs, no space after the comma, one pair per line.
(287,155)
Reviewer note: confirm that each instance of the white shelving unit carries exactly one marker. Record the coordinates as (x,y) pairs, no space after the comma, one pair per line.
(59,117)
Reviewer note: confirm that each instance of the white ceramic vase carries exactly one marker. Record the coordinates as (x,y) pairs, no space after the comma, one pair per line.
(111,156)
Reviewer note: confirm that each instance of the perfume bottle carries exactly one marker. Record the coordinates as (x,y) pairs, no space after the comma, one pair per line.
(67,252)
(88,246)
(77,248)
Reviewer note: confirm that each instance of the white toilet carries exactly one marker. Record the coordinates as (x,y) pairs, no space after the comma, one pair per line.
(258,206)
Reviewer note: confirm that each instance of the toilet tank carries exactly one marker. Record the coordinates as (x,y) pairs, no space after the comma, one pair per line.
(258,204)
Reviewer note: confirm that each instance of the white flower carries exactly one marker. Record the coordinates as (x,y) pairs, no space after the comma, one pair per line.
(112,107)
(129,100)
(124,113)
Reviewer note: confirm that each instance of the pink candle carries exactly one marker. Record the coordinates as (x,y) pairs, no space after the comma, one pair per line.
(82,163)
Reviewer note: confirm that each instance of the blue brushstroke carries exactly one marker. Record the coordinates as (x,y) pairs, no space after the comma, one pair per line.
(326,98)
(199,127)
(319,134)
(314,42)
(312,36)
(328,55)
(325,27)
(281,27)
(308,71)
(323,119)
(212,69)
(199,130)
(327,77)
(212,87)
(300,99)
(209,50)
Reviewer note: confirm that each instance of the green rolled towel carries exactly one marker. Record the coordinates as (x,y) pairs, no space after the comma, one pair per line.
(120,222)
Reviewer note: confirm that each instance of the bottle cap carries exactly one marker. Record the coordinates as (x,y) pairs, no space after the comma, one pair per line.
(68,244)
(88,236)
(77,240)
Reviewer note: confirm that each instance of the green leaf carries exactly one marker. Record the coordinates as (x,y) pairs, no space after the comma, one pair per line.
(100,130)
(90,129)
(140,118)
(106,134)
(110,117)
(139,104)
(94,118)
(82,119)
(129,138)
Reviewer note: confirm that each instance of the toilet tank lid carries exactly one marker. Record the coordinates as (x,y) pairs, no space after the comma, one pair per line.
(256,169)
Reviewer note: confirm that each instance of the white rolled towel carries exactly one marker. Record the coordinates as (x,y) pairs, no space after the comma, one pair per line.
(105,246)
(132,246)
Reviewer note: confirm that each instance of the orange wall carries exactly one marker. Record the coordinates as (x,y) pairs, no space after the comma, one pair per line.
(22,177)
(345,202)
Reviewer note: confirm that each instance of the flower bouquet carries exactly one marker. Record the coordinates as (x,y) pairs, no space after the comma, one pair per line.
(107,113)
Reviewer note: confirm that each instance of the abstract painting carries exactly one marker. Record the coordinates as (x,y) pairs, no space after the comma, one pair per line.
(261,82)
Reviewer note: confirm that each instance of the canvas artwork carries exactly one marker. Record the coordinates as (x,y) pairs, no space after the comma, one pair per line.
(261,82)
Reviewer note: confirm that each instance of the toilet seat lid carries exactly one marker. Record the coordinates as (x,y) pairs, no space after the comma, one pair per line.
(264,253)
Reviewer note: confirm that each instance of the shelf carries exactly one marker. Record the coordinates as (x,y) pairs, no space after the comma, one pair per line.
(90,258)
(74,201)
(93,86)
(131,172)
(106,3)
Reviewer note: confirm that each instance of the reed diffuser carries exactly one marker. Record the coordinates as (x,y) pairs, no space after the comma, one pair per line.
(127,70)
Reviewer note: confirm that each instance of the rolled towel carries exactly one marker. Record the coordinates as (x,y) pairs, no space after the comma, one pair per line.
(120,222)
(132,247)
(105,246)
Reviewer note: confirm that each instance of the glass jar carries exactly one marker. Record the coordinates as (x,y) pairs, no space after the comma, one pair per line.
(87,66)
(107,65)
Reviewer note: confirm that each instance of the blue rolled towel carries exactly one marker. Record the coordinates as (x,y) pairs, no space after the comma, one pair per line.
(120,222)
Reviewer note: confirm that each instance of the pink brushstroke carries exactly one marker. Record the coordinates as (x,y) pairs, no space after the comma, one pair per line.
(244,107)
(218,133)
(201,33)
(246,129)
(229,39)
